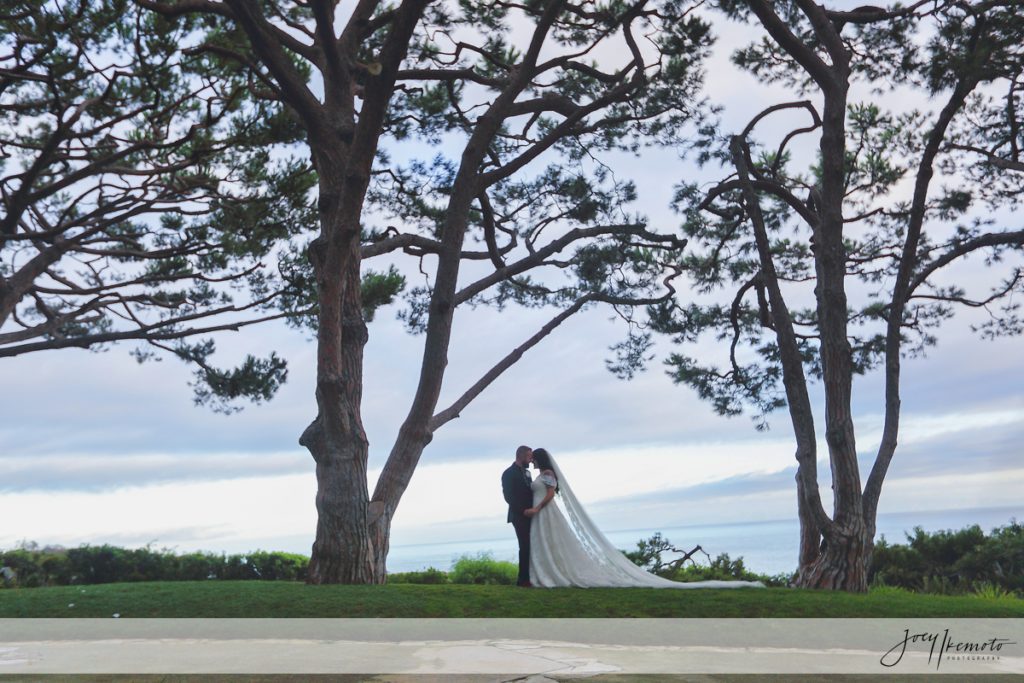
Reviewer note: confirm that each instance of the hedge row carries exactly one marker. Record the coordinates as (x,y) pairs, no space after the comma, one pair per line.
(30,566)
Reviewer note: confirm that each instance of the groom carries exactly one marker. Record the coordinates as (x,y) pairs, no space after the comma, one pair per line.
(515,485)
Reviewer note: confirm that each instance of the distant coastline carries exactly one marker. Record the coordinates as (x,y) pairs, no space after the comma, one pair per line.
(766,546)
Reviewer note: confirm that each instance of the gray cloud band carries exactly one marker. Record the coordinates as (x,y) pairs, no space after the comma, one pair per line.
(98,473)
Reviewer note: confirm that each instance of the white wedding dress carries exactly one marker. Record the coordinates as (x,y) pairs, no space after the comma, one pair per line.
(567,549)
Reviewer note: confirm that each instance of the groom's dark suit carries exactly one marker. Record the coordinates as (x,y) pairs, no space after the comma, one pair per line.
(515,485)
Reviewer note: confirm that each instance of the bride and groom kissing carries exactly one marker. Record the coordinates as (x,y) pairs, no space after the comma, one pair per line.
(559,545)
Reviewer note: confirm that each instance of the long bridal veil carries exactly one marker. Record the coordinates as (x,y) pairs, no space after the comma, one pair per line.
(595,561)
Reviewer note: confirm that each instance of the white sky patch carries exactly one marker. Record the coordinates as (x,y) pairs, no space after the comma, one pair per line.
(962,490)
(207,515)
(919,428)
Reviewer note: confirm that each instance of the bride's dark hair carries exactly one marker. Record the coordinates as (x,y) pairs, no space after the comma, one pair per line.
(542,461)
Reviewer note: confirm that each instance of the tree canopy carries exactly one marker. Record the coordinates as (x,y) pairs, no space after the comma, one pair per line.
(175,168)
(828,271)
(511,205)
(145,190)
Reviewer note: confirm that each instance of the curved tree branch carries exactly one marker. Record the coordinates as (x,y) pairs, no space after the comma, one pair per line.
(793,376)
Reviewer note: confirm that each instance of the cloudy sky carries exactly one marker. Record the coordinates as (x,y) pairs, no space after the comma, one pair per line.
(95,448)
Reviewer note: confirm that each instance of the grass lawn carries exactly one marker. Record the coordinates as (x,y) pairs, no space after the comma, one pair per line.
(289,599)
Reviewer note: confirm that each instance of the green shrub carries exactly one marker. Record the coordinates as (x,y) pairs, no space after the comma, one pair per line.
(999,560)
(24,568)
(990,591)
(147,564)
(896,565)
(649,551)
(109,564)
(483,569)
(275,566)
(29,566)
(98,564)
(56,568)
(199,566)
(429,575)
(236,568)
(953,562)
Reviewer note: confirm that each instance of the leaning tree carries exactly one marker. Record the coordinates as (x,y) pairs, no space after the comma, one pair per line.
(143,188)
(517,101)
(840,269)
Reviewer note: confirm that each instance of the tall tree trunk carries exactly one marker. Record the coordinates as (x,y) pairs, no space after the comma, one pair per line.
(901,288)
(813,520)
(349,546)
(842,563)
(415,432)
(343,549)
(843,558)
(394,479)
(846,557)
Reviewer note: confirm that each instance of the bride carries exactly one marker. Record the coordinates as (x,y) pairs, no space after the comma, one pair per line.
(567,549)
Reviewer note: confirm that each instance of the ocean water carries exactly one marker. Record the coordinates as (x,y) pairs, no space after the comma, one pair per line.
(767,547)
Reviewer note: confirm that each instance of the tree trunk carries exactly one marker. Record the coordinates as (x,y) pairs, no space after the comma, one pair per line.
(343,549)
(810,532)
(415,432)
(813,519)
(379,534)
(842,563)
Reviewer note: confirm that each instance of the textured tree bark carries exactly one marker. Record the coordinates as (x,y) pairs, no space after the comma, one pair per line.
(342,551)
(394,479)
(350,546)
(810,533)
(842,563)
